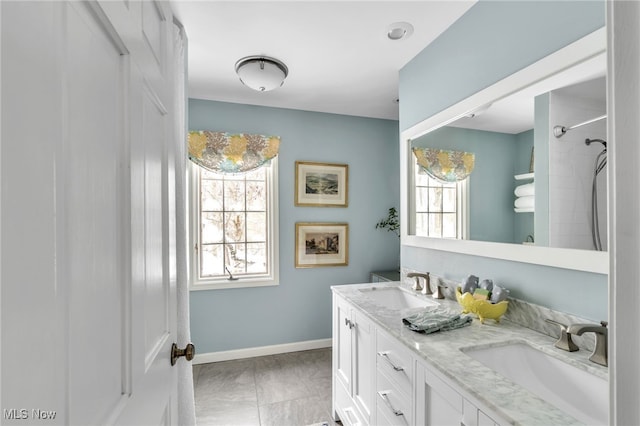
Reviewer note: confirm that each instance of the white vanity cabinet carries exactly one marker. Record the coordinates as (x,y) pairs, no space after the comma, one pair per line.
(353,364)
(377,380)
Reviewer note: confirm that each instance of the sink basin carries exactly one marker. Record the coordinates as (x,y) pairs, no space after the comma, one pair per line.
(571,389)
(396,298)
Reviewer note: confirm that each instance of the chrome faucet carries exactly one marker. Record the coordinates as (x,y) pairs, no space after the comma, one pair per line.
(599,355)
(426,289)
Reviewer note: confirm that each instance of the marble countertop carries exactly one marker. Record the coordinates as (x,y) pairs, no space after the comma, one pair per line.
(444,351)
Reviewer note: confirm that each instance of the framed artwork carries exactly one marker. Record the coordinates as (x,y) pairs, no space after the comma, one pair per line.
(321,244)
(322,184)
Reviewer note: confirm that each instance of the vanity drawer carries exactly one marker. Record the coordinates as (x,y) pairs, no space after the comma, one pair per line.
(394,361)
(393,406)
(384,420)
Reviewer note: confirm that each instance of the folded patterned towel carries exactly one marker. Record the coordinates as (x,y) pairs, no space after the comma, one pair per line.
(436,318)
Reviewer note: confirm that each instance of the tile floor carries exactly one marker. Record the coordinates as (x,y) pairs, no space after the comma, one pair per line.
(285,389)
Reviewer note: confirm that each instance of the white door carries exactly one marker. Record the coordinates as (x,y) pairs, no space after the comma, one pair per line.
(87,213)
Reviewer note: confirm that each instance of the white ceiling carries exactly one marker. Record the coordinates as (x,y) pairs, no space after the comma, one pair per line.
(339,57)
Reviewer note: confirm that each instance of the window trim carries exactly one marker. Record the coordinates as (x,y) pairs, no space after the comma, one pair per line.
(196,282)
(462,208)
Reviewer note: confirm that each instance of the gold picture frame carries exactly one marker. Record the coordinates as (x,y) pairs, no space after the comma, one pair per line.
(321,184)
(321,244)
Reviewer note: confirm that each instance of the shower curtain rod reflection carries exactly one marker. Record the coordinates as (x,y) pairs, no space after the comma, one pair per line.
(559,131)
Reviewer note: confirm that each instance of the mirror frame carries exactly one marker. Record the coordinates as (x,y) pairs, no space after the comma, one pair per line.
(581,260)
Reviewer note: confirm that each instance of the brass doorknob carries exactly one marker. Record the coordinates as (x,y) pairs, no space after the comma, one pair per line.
(188,352)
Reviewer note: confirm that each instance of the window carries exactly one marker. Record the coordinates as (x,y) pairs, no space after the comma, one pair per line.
(233,228)
(440,207)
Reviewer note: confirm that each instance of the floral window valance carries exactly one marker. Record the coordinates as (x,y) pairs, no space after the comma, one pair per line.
(223,152)
(445,166)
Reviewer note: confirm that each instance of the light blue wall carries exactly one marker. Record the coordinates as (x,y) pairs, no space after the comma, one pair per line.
(299,309)
(489,42)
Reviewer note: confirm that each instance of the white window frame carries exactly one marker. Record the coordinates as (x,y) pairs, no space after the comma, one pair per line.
(462,208)
(196,282)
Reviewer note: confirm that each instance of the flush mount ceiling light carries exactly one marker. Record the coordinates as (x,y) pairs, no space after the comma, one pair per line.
(261,73)
(399,30)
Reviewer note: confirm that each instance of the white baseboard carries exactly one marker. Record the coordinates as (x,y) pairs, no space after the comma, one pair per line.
(261,351)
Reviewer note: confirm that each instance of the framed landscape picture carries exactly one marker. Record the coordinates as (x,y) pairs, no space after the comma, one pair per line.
(321,244)
(321,184)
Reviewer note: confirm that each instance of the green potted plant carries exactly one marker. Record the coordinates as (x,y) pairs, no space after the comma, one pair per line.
(391,222)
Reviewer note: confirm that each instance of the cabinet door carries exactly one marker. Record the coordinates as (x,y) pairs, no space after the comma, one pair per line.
(475,417)
(342,336)
(345,408)
(484,420)
(443,405)
(364,365)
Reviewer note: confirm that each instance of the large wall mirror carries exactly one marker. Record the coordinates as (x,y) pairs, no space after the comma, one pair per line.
(518,170)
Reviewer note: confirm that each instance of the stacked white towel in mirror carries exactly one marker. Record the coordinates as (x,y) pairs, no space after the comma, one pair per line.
(525,198)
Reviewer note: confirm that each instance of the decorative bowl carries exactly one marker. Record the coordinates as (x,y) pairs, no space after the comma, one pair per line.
(483,308)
